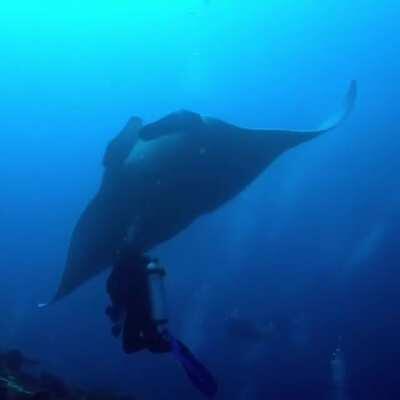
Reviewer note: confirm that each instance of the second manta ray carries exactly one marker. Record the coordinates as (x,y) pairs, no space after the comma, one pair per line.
(160,177)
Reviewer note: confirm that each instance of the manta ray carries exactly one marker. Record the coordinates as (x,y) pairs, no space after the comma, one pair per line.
(159,178)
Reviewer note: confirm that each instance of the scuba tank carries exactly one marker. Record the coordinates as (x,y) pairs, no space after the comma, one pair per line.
(198,374)
(157,298)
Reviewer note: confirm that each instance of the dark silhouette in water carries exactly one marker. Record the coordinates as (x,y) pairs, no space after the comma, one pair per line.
(176,170)
(138,310)
(130,308)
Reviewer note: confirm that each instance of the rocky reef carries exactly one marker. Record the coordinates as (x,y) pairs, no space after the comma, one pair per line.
(17,382)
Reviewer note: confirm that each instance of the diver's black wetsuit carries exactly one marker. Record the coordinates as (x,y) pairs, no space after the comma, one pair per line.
(127,287)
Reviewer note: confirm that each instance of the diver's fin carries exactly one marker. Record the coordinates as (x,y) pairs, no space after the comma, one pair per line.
(120,147)
(198,374)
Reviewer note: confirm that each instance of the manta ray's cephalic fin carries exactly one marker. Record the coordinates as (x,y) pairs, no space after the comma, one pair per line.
(120,147)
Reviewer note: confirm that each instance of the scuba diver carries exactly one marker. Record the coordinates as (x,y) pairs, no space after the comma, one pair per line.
(138,314)
(130,309)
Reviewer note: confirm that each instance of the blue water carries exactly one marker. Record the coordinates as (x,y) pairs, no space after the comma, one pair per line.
(309,249)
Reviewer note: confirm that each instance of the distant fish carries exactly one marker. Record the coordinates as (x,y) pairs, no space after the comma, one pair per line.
(161,177)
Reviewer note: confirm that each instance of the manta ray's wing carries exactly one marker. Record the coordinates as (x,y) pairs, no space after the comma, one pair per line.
(190,122)
(259,148)
(99,225)
(343,112)
(291,138)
